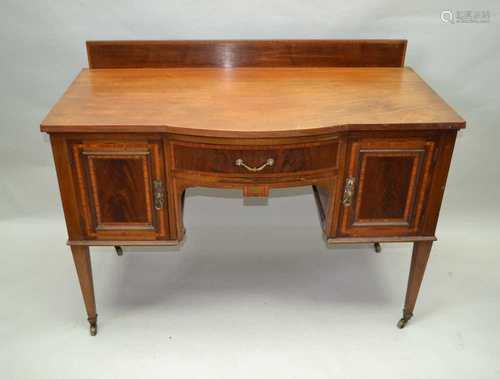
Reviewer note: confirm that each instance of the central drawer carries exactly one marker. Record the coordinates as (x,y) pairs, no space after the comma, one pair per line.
(255,160)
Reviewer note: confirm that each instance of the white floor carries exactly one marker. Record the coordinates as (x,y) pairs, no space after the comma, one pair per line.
(247,302)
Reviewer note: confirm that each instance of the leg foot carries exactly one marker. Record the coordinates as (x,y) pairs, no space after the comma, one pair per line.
(119,251)
(81,257)
(404,320)
(377,247)
(93,329)
(402,323)
(419,258)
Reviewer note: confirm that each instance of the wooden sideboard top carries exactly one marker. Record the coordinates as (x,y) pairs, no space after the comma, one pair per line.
(276,101)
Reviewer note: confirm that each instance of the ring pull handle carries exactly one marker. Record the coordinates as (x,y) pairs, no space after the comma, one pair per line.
(269,162)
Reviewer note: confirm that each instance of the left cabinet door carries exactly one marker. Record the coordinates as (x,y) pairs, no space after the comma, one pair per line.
(121,187)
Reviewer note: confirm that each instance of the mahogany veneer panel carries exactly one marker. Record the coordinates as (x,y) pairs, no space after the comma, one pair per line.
(386,185)
(258,53)
(120,190)
(115,182)
(391,179)
(287,159)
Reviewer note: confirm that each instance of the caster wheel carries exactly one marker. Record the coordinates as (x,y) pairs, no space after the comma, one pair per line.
(119,251)
(402,323)
(93,330)
(377,247)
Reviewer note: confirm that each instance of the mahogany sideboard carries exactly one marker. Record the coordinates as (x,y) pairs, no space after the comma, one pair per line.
(149,119)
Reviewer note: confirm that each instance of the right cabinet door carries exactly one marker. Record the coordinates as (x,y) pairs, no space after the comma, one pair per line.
(386,185)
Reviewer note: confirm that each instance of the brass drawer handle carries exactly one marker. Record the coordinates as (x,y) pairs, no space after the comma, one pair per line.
(158,194)
(269,162)
(348,191)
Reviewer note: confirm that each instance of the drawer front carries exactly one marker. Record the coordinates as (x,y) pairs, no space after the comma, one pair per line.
(238,160)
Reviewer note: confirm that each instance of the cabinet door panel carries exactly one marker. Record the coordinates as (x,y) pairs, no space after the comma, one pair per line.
(120,189)
(390,182)
(116,189)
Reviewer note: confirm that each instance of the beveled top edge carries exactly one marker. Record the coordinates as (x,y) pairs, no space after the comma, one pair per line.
(332,129)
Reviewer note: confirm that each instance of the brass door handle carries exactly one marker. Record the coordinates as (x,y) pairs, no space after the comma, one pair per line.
(269,162)
(158,194)
(348,192)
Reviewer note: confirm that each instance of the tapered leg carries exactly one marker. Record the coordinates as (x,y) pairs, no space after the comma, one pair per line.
(419,258)
(81,256)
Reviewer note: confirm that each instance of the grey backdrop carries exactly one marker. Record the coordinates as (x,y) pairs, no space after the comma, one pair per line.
(43,50)
(255,290)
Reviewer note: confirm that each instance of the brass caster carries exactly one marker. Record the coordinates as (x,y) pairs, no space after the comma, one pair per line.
(93,330)
(404,320)
(119,251)
(402,323)
(377,247)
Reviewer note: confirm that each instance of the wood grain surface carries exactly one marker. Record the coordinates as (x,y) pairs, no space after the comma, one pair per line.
(247,53)
(261,102)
